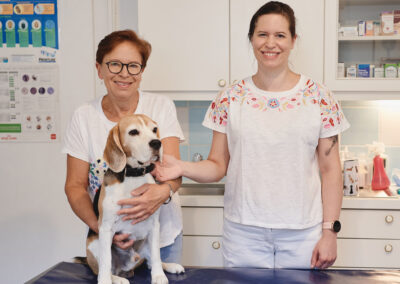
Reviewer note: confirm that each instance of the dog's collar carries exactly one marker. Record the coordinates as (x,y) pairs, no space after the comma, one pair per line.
(136,172)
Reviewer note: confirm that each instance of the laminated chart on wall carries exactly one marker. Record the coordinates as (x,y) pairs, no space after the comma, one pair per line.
(28,24)
(29,101)
(29,76)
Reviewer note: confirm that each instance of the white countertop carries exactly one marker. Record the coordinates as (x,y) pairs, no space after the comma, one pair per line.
(211,195)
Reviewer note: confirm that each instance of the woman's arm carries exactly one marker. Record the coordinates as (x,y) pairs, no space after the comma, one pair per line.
(210,170)
(324,254)
(76,190)
(149,197)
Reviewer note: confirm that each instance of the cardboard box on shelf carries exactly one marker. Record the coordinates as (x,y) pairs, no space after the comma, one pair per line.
(387,19)
(379,72)
(361,28)
(369,28)
(396,22)
(390,70)
(363,70)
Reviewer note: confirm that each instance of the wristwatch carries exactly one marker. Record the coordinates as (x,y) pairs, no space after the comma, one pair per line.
(171,192)
(334,226)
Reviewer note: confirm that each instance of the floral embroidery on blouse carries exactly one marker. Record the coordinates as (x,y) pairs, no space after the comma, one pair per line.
(312,93)
(96,174)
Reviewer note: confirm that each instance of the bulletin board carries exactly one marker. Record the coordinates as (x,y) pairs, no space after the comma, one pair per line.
(29,73)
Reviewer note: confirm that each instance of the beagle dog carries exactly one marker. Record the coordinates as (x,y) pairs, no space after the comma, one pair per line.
(132,147)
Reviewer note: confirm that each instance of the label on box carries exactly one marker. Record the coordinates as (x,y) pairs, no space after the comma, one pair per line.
(363,70)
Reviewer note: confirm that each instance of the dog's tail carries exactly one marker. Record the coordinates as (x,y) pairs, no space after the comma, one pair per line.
(80,260)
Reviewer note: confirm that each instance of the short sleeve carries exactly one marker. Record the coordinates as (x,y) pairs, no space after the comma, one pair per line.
(216,117)
(333,120)
(74,139)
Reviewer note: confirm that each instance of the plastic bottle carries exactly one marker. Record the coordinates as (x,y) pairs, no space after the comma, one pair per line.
(380,180)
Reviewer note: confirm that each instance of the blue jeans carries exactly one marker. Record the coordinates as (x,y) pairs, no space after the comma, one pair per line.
(173,252)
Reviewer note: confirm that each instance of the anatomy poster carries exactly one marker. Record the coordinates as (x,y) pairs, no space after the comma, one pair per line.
(29,88)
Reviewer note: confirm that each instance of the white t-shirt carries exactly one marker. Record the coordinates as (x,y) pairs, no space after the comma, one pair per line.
(273,176)
(86,138)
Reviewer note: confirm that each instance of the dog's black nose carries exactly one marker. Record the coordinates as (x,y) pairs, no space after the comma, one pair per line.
(155,144)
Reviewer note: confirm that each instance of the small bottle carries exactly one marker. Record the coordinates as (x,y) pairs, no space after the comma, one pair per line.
(380,180)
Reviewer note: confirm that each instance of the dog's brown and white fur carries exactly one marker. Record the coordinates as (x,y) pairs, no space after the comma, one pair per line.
(134,141)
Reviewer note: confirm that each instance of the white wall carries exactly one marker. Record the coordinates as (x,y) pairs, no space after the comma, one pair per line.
(38,228)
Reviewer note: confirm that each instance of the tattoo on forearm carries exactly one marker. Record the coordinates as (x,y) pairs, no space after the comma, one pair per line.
(334,141)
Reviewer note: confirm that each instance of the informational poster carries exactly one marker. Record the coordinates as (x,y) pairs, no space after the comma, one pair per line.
(29,76)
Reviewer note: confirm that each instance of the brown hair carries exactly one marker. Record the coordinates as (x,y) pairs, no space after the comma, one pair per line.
(110,41)
(274,7)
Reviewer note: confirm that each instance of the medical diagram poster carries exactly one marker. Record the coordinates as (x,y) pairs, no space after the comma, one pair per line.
(29,73)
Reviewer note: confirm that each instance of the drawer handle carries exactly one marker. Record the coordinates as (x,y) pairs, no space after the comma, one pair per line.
(222,83)
(389,219)
(216,245)
(388,248)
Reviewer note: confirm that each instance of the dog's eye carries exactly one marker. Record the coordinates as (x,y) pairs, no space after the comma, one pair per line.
(155,129)
(134,132)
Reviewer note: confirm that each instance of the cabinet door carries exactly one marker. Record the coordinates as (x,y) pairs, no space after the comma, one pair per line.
(306,57)
(202,251)
(190,44)
(369,253)
(202,221)
(352,50)
(370,224)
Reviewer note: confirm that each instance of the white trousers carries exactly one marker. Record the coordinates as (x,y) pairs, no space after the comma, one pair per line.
(251,246)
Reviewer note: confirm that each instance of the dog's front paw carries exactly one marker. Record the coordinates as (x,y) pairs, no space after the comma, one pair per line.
(174,268)
(159,279)
(119,280)
(104,279)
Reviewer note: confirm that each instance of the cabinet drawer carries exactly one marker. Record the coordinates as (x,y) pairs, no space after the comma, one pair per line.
(202,251)
(364,253)
(202,221)
(383,224)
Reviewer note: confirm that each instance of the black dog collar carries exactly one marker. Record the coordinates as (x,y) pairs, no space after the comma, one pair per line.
(137,172)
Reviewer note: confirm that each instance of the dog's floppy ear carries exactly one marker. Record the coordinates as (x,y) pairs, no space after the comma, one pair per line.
(113,153)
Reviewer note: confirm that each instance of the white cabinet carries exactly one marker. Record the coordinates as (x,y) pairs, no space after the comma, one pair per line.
(200,47)
(202,231)
(369,239)
(343,47)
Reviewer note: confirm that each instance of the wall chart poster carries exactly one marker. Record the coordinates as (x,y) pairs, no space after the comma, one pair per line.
(29,76)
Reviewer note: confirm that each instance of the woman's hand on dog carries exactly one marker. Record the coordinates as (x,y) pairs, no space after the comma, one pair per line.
(122,241)
(148,198)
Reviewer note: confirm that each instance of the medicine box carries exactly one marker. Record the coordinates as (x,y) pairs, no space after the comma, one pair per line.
(396,21)
(340,70)
(363,70)
(369,28)
(387,19)
(390,70)
(348,31)
(379,73)
(361,28)
(351,72)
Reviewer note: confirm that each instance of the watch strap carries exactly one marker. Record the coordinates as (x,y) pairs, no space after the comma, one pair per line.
(171,192)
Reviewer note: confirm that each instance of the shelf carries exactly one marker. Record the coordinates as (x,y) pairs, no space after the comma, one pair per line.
(368,38)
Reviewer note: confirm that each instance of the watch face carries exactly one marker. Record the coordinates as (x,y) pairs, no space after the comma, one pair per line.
(336,226)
